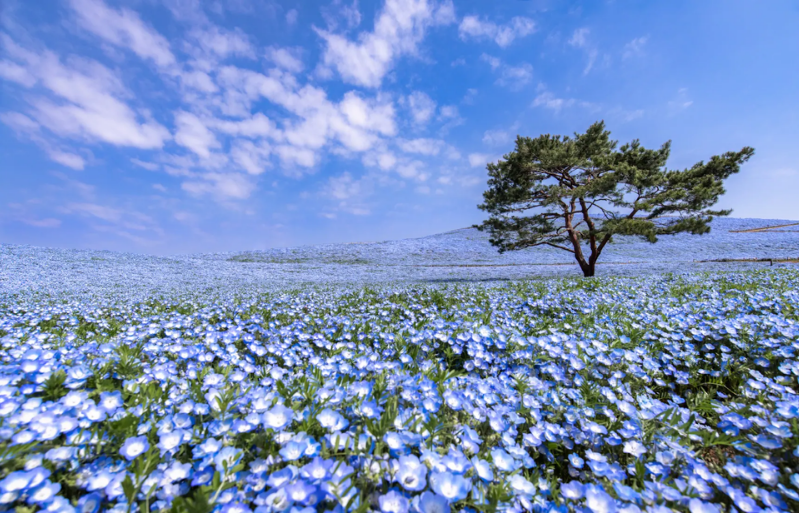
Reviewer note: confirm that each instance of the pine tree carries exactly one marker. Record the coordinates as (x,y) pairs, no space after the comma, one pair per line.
(576,193)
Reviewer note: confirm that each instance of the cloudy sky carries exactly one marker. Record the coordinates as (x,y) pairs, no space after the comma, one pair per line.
(173,126)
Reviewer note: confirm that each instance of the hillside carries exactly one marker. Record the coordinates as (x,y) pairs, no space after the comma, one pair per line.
(457,256)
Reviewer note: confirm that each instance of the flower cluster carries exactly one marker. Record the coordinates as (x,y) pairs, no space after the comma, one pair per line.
(610,395)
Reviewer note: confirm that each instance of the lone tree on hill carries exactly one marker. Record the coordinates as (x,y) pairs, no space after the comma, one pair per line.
(575,194)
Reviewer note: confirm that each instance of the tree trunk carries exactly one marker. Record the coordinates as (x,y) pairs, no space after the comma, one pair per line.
(588,270)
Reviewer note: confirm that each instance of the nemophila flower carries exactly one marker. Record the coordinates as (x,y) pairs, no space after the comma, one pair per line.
(412,473)
(293,450)
(227,457)
(303,493)
(133,447)
(282,477)
(208,447)
(43,493)
(576,461)
(236,507)
(572,490)
(522,485)
(635,448)
(429,502)
(171,441)
(393,502)
(598,500)
(316,470)
(331,420)
(504,461)
(453,487)
(278,417)
(90,503)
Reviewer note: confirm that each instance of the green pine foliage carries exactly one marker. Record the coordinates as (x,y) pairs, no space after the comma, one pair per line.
(575,193)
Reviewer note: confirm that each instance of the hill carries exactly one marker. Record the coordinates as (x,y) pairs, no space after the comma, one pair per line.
(457,256)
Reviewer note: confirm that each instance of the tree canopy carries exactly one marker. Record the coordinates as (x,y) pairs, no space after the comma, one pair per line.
(576,193)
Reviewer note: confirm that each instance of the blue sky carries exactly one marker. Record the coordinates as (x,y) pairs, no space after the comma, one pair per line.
(173,126)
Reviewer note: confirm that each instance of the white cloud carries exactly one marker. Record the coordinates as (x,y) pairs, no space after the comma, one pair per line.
(16,73)
(291,16)
(67,159)
(19,122)
(222,186)
(223,43)
(252,157)
(492,61)
(503,35)
(355,122)
(340,11)
(123,28)
(49,222)
(350,194)
(194,135)
(421,146)
(579,39)
(470,95)
(680,102)
(256,126)
(412,170)
(286,58)
(496,137)
(92,209)
(422,107)
(398,29)
(449,112)
(92,108)
(478,159)
(198,80)
(293,155)
(516,77)
(634,48)
(149,166)
(512,77)
(548,100)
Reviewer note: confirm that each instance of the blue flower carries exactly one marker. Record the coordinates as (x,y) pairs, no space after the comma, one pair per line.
(303,492)
(133,447)
(453,487)
(598,500)
(429,502)
(293,450)
(15,482)
(572,490)
(411,474)
(227,457)
(278,418)
(483,469)
(317,470)
(504,461)
(43,493)
(90,503)
(169,442)
(393,502)
(331,420)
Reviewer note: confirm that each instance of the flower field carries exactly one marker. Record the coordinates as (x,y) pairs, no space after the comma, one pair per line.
(459,256)
(619,394)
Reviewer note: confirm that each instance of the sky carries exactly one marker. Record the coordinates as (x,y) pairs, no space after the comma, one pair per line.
(179,126)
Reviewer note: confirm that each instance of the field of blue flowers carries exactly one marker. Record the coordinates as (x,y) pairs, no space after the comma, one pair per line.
(408,376)
(627,394)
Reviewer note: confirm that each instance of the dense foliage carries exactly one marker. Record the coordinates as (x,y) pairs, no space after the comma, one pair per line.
(628,394)
(582,192)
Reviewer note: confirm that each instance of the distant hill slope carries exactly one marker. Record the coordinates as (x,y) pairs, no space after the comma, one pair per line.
(729,238)
(463,255)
